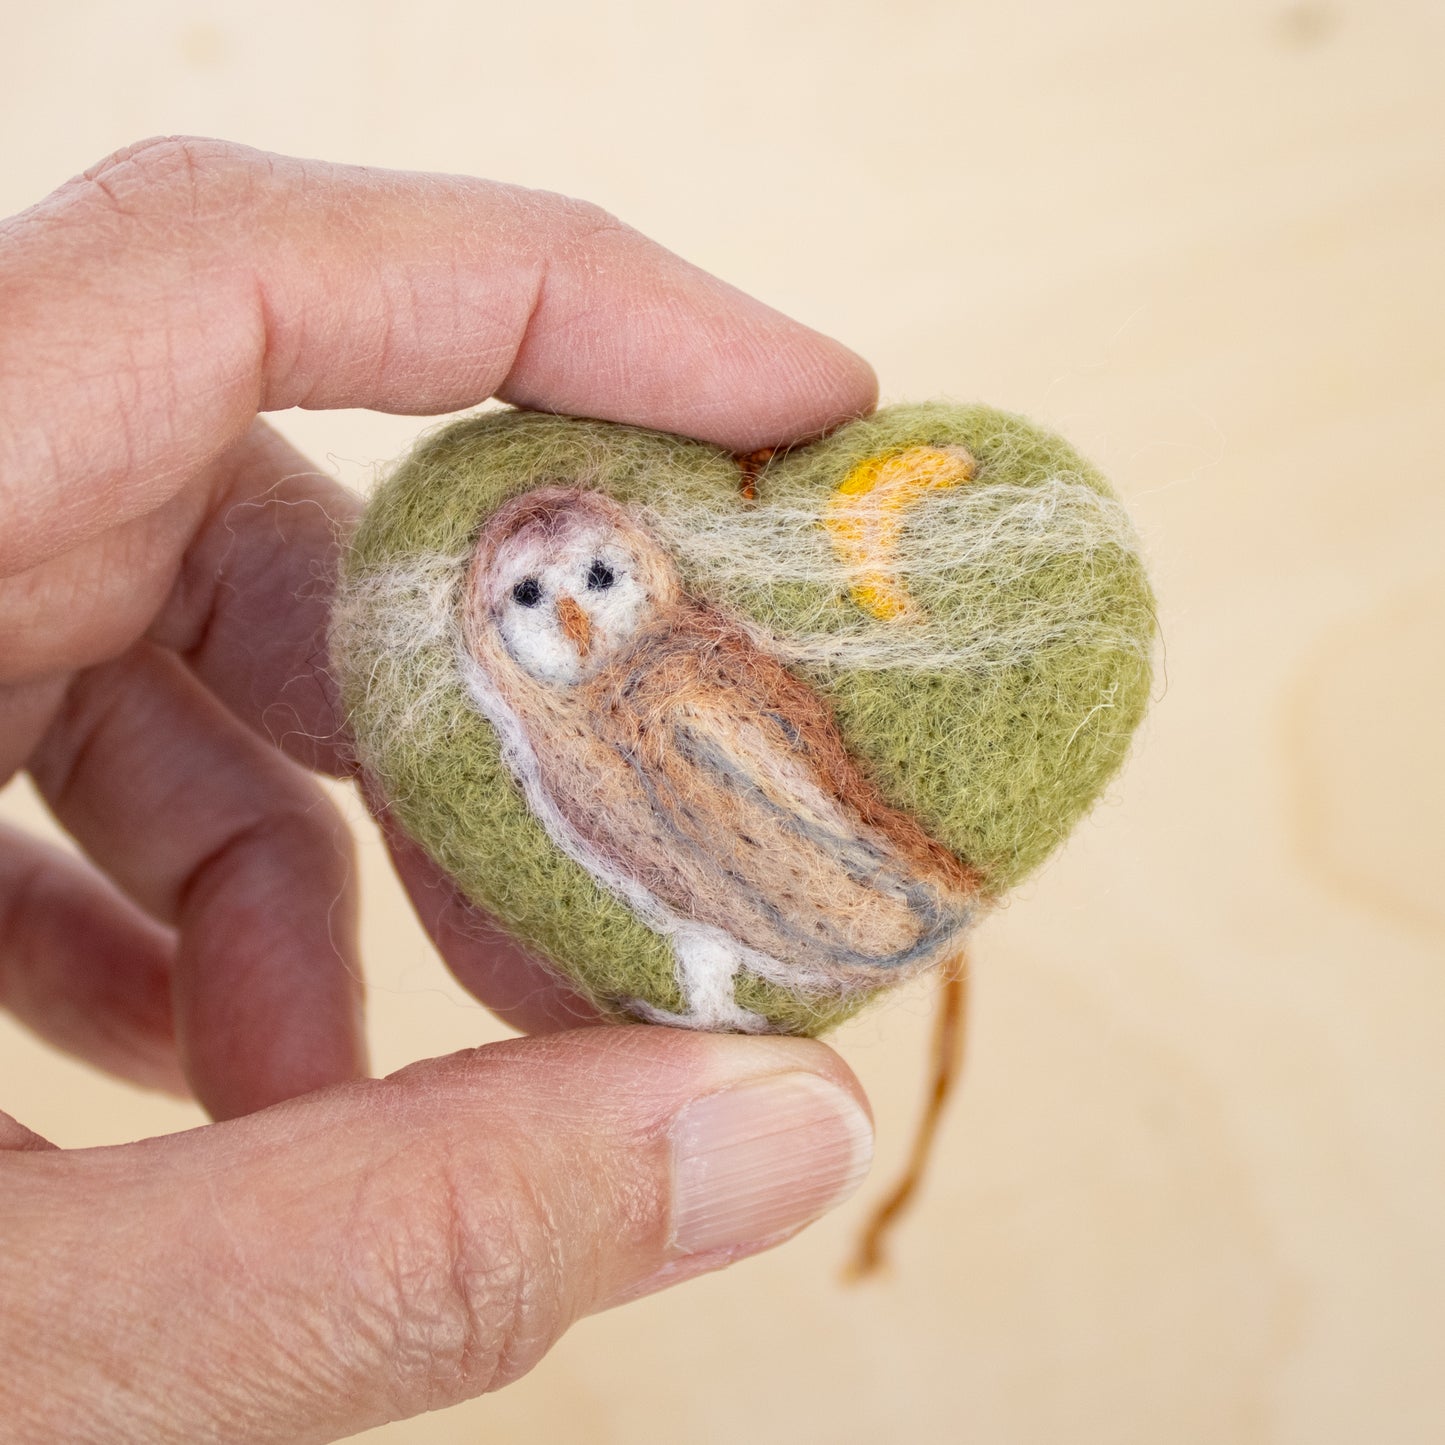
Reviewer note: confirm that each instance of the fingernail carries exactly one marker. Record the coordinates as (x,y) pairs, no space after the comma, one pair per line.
(760,1158)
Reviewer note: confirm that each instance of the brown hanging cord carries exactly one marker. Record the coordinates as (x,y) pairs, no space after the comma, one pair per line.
(946,1064)
(752,465)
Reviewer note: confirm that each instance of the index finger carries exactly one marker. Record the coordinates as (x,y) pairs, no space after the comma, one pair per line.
(155,304)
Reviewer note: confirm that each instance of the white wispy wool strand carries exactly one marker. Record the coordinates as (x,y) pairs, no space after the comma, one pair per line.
(390,617)
(978,538)
(972,540)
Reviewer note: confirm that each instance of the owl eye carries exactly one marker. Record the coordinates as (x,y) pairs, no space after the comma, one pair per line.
(600,576)
(527,592)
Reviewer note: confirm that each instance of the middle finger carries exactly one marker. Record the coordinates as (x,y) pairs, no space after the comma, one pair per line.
(213,832)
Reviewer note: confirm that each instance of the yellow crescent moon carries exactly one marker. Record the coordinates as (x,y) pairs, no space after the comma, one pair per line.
(864,518)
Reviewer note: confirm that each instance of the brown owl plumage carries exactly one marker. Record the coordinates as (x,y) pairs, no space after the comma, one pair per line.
(677,760)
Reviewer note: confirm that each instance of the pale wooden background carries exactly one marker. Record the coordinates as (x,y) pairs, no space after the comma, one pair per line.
(1195,1188)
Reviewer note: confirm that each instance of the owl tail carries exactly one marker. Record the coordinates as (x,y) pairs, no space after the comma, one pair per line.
(945,1067)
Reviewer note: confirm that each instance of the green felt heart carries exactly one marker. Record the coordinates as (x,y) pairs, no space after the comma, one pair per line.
(986,664)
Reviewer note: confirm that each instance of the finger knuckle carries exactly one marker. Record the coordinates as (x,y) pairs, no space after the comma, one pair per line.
(166,175)
(587,220)
(567,224)
(301,833)
(464,1297)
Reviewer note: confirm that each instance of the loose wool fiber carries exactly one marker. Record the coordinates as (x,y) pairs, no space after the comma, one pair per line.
(992,707)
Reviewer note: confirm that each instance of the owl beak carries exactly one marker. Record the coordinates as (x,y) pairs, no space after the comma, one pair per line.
(576,625)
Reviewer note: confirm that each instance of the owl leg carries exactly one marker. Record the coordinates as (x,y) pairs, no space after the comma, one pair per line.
(706,972)
(707,969)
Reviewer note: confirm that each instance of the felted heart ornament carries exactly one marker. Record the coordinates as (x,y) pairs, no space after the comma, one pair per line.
(741,743)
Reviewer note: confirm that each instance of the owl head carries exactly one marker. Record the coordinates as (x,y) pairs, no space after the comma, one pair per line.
(562,581)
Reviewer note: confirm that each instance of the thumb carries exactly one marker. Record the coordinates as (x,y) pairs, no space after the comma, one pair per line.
(389,1247)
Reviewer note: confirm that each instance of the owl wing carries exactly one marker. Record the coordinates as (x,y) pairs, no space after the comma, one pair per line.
(766,827)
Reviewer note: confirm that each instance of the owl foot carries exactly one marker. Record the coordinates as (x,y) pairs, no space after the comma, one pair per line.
(707,971)
(732,1020)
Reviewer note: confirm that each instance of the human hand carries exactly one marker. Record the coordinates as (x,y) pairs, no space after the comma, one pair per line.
(368,1249)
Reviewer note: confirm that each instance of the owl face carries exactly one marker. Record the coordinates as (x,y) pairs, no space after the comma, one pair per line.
(564,581)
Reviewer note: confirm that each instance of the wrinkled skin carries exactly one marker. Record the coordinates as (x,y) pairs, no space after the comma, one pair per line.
(336,1251)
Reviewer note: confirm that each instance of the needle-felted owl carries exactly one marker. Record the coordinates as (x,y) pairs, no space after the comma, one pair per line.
(687,770)
(742,762)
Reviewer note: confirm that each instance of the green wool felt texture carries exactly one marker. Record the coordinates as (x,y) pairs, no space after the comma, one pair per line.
(994,711)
